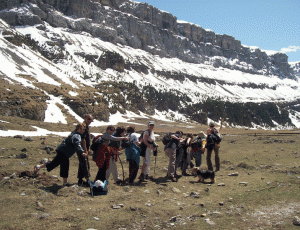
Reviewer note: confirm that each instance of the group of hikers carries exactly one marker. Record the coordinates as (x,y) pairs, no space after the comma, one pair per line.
(106,148)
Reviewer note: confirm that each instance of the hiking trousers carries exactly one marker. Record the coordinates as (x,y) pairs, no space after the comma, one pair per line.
(112,169)
(83,167)
(62,160)
(217,159)
(171,153)
(133,170)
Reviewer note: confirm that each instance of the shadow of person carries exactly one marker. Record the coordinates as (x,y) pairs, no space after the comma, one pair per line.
(54,188)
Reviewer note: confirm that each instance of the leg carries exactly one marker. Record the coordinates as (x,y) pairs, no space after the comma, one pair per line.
(82,168)
(64,166)
(178,159)
(114,170)
(217,159)
(147,161)
(108,171)
(198,158)
(172,159)
(208,159)
(55,162)
(133,170)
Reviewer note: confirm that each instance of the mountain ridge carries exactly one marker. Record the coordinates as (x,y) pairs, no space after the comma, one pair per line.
(56,57)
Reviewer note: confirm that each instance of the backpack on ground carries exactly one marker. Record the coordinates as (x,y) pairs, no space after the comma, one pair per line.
(96,144)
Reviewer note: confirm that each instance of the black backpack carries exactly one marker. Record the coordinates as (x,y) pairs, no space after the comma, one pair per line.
(216,136)
(96,144)
(197,144)
(166,138)
(143,146)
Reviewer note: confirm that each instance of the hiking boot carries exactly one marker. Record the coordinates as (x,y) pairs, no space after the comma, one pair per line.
(173,179)
(142,178)
(118,182)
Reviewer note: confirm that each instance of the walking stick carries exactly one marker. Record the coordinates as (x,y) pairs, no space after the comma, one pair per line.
(122,169)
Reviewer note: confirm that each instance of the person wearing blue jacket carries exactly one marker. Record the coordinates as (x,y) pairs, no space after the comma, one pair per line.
(64,151)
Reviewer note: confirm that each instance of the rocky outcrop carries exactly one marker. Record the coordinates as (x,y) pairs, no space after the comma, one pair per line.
(142,26)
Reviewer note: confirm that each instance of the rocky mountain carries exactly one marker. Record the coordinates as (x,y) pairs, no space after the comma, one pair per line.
(104,56)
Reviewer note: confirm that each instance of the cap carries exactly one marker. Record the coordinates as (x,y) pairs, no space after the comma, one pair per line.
(151,123)
(211,124)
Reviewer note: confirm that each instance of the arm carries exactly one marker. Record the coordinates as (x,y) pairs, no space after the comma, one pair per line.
(76,141)
(221,125)
(145,140)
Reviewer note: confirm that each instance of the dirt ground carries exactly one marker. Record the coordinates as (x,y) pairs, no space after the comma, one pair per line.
(264,194)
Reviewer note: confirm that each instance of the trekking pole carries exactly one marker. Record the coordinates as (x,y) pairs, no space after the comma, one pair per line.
(122,169)
(88,168)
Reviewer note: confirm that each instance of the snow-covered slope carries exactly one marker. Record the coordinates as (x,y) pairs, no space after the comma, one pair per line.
(67,57)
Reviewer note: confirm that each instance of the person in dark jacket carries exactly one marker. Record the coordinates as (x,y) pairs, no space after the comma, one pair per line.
(83,168)
(64,151)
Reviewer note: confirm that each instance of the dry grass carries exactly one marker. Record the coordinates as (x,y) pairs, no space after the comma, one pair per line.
(265,160)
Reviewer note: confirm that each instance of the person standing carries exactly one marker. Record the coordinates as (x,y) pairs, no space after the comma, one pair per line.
(183,154)
(170,150)
(149,141)
(212,145)
(116,145)
(83,168)
(133,154)
(64,151)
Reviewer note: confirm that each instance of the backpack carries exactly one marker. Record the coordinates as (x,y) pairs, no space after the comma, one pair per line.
(96,144)
(143,146)
(216,136)
(166,138)
(196,145)
(126,143)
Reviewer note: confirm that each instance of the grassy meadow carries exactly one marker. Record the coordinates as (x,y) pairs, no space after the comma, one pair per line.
(264,195)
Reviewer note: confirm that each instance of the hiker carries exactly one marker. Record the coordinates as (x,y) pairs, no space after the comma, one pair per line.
(197,150)
(133,154)
(149,141)
(83,167)
(64,151)
(116,145)
(183,154)
(212,145)
(170,150)
(105,152)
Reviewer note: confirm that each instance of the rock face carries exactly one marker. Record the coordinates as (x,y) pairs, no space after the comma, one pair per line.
(142,26)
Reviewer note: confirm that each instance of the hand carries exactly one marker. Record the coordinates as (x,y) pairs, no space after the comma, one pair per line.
(85,155)
(90,152)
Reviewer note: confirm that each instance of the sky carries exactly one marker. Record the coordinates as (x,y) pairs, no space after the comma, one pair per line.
(270,25)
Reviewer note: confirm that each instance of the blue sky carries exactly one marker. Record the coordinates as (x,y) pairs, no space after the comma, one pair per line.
(269,25)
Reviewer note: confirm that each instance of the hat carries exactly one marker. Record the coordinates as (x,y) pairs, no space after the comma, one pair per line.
(151,123)
(211,124)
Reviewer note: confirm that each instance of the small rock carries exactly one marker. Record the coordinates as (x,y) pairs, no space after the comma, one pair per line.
(54,177)
(221,203)
(232,168)
(44,161)
(96,218)
(13,176)
(233,174)
(22,156)
(22,163)
(39,204)
(203,215)
(133,208)
(296,221)
(159,192)
(175,190)
(180,208)
(201,204)
(221,184)
(22,194)
(121,205)
(28,139)
(209,221)
(244,183)
(116,207)
(34,214)
(147,191)
(194,194)
(173,219)
(6,178)
(18,136)
(45,215)
(24,150)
